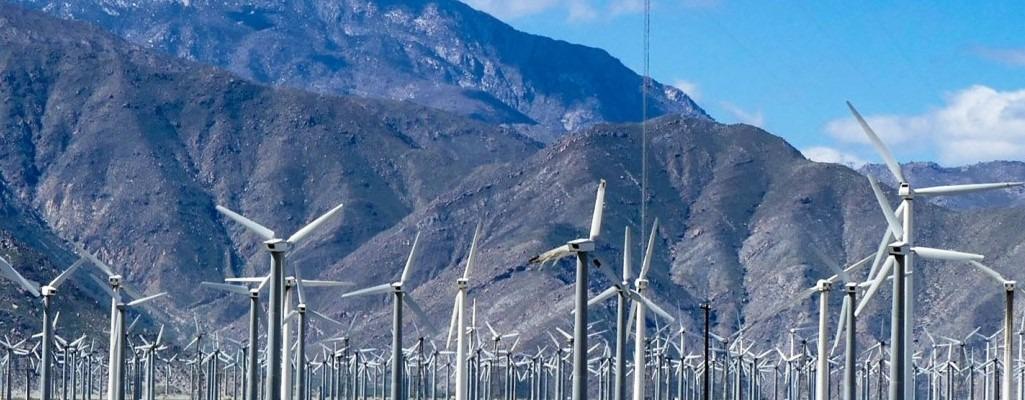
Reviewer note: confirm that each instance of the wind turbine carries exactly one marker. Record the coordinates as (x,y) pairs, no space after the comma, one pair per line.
(638,310)
(899,368)
(300,313)
(622,292)
(581,248)
(458,322)
(899,254)
(1008,285)
(400,297)
(277,248)
(116,364)
(254,320)
(46,293)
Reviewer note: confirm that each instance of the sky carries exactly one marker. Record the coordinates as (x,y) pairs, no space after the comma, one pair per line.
(938,81)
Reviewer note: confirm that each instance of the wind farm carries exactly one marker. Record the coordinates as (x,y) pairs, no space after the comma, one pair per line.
(413,200)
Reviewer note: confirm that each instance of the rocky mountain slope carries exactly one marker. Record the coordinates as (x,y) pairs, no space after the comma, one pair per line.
(924,174)
(128,151)
(439,53)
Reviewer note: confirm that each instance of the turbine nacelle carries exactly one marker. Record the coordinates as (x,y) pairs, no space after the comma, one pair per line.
(277,245)
(114,280)
(824,285)
(47,290)
(581,245)
(1009,286)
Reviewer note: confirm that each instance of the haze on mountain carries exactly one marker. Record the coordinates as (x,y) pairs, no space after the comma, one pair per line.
(439,53)
(933,174)
(127,150)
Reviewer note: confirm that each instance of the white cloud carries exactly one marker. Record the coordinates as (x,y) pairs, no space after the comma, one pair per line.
(755,118)
(976,124)
(691,88)
(510,9)
(1010,57)
(575,10)
(581,10)
(831,155)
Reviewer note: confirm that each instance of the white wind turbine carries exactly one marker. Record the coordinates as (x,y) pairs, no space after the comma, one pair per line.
(400,297)
(581,248)
(458,322)
(622,292)
(46,293)
(1006,384)
(637,312)
(901,368)
(277,247)
(254,321)
(116,363)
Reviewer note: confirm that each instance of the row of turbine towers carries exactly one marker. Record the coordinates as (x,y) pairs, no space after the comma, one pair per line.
(284,371)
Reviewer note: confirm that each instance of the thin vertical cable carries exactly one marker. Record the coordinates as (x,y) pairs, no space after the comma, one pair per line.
(644,115)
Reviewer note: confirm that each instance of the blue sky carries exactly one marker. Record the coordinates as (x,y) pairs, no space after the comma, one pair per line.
(939,82)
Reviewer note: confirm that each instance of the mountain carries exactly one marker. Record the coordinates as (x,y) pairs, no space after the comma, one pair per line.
(39,255)
(923,174)
(439,53)
(128,151)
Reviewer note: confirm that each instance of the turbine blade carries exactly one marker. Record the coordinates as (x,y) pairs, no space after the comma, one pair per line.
(420,314)
(632,316)
(891,219)
(948,255)
(409,261)
(64,275)
(379,289)
(299,235)
(842,324)
(254,227)
(8,271)
(891,163)
(96,261)
(318,314)
(653,307)
(552,255)
(473,251)
(611,291)
(263,283)
(988,271)
(880,278)
(962,189)
(320,283)
(226,287)
(289,317)
(455,317)
(627,254)
(298,284)
(146,299)
(599,207)
(646,264)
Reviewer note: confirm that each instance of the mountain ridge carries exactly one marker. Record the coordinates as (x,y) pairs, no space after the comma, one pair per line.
(440,53)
